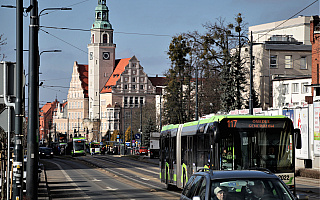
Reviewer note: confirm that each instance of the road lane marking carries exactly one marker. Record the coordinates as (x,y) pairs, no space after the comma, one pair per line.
(71,181)
(111,189)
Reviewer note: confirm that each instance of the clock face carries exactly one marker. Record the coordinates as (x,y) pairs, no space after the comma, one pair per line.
(106,55)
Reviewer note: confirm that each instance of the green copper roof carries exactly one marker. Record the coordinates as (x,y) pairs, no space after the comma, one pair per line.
(102,17)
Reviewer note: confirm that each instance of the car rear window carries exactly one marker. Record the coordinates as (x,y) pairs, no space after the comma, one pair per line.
(251,189)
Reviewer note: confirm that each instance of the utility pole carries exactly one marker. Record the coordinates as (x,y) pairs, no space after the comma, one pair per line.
(18,149)
(33,104)
(251,78)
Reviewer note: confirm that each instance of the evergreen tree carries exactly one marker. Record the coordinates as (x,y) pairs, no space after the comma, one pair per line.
(148,128)
(178,76)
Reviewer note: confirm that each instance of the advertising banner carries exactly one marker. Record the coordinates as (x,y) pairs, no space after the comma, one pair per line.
(301,122)
(316,133)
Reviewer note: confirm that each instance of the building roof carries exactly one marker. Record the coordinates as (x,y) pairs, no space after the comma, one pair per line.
(119,69)
(288,47)
(83,75)
(158,81)
(46,107)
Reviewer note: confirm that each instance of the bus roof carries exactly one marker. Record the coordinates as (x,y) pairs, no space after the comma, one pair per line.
(170,126)
(191,127)
(79,138)
(220,117)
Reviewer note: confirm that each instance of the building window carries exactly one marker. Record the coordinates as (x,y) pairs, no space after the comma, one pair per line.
(304,89)
(273,61)
(141,100)
(133,79)
(303,62)
(131,101)
(134,87)
(285,88)
(288,62)
(295,87)
(99,15)
(105,38)
(141,87)
(136,101)
(125,101)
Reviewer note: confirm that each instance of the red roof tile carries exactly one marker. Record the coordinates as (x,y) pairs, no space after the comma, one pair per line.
(83,73)
(122,63)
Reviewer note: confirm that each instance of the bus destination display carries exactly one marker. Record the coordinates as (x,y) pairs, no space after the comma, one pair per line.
(255,123)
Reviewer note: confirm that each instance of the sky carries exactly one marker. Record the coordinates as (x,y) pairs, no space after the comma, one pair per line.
(143,28)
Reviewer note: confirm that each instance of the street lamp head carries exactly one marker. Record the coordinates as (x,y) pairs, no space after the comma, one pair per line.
(29,8)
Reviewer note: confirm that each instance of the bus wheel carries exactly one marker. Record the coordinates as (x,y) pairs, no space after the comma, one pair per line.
(171,187)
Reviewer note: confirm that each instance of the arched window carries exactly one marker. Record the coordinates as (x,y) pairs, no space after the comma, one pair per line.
(92,38)
(99,15)
(105,38)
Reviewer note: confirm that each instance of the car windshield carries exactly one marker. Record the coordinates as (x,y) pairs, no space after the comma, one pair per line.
(249,189)
(45,150)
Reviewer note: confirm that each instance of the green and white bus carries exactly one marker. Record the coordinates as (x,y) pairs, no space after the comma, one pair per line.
(228,142)
(78,146)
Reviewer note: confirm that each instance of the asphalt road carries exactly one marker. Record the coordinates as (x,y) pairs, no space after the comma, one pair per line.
(114,179)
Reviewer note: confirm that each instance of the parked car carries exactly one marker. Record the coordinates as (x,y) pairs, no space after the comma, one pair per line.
(45,152)
(242,184)
(143,151)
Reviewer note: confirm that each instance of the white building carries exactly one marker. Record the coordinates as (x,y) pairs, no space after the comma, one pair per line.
(290,92)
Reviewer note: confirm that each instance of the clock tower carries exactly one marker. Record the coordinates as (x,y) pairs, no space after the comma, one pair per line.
(101,52)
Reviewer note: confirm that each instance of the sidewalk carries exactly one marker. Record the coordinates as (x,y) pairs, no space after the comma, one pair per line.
(43,190)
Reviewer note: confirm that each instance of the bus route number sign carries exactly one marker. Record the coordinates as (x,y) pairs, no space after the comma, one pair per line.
(254,123)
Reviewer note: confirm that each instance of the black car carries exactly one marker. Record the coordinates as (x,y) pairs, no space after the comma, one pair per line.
(237,185)
(45,152)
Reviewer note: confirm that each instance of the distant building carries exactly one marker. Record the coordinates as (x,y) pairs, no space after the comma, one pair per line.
(46,120)
(280,49)
(102,93)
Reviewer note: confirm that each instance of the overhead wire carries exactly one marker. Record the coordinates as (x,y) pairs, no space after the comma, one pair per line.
(287,19)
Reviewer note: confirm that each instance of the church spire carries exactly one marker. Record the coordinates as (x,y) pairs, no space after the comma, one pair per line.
(102,16)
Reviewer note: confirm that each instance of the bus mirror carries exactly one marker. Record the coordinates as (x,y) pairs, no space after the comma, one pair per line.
(297,137)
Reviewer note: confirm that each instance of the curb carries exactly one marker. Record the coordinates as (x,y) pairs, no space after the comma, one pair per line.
(309,173)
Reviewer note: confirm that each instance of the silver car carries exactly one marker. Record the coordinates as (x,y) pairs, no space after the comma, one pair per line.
(237,185)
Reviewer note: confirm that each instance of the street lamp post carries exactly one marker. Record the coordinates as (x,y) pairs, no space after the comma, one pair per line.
(33,100)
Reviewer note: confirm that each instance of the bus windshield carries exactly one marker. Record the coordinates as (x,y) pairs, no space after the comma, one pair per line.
(245,147)
(79,145)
